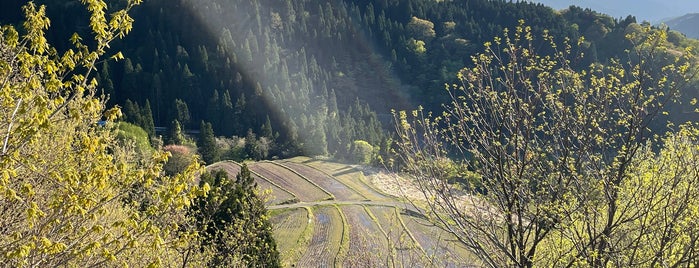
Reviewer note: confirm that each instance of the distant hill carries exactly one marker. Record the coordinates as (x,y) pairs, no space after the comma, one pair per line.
(648,10)
(686,24)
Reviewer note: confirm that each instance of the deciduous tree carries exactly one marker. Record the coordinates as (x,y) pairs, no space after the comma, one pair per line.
(421,29)
(70,195)
(565,172)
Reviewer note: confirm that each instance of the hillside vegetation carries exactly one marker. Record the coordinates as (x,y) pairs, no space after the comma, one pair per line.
(563,167)
(309,77)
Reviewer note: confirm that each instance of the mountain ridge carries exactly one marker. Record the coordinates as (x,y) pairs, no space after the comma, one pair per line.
(686,24)
(653,11)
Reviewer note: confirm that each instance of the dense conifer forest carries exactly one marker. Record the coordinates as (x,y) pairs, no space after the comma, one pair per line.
(307,77)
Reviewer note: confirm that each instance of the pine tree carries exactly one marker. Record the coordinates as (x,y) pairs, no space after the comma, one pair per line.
(252,149)
(333,126)
(132,113)
(157,86)
(106,81)
(175,135)
(182,112)
(227,114)
(239,114)
(207,143)
(267,129)
(318,143)
(147,120)
(128,81)
(234,221)
(213,111)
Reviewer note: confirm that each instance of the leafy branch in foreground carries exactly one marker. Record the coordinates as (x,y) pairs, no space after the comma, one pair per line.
(565,171)
(70,195)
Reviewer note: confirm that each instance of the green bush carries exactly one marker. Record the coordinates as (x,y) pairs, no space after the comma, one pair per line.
(362,152)
(130,133)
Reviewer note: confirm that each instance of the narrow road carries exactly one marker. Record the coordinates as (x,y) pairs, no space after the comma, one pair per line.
(402,205)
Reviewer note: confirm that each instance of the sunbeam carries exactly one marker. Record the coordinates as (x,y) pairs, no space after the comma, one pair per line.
(299,67)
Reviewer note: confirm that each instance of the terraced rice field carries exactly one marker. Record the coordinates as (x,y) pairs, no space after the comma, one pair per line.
(276,196)
(289,230)
(406,251)
(341,191)
(327,237)
(347,175)
(440,247)
(300,187)
(328,214)
(368,246)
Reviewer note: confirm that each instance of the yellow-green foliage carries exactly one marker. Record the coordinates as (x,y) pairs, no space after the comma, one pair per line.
(130,133)
(658,208)
(69,195)
(567,176)
(417,46)
(421,29)
(362,152)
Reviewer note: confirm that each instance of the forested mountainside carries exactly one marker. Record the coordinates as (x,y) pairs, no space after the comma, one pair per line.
(685,24)
(311,76)
(654,11)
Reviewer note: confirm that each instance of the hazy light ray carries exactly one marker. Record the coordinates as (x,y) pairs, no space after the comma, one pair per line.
(381,68)
(398,90)
(238,29)
(243,20)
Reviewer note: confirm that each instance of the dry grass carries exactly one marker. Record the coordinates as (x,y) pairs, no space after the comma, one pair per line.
(289,226)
